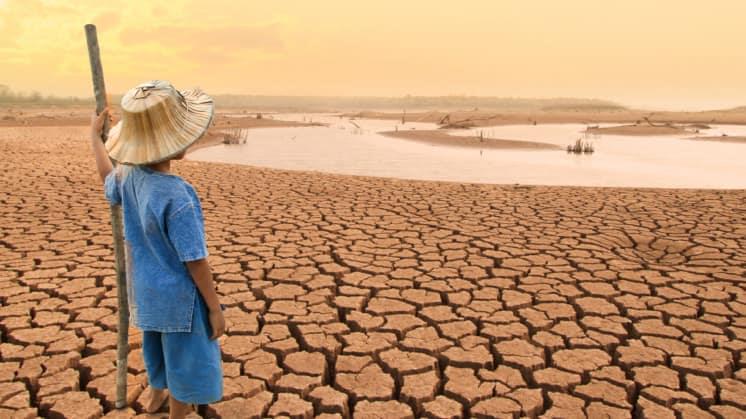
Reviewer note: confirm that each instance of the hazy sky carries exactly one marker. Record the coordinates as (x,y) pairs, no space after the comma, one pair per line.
(659,53)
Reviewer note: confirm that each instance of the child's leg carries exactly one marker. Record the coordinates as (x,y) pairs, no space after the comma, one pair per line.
(177,409)
(152,353)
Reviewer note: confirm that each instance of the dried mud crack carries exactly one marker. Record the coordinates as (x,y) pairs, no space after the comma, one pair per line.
(366,298)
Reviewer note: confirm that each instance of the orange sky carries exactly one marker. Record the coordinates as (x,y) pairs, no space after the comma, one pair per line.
(662,53)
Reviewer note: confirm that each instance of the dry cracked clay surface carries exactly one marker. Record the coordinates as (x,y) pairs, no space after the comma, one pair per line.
(375,298)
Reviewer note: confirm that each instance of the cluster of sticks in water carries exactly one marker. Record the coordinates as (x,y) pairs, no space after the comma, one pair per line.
(235,136)
(581,147)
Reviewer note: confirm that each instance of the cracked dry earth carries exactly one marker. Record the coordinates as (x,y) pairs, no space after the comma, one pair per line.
(373,298)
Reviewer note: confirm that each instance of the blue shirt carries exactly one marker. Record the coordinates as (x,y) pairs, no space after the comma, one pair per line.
(163,228)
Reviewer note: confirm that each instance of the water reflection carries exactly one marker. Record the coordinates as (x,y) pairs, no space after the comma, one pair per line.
(355,148)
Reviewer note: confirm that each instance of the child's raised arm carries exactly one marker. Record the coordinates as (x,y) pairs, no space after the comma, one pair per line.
(99,150)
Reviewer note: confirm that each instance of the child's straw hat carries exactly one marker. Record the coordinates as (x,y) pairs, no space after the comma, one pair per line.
(158,122)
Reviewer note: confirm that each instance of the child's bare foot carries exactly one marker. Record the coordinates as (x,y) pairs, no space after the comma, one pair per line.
(157,398)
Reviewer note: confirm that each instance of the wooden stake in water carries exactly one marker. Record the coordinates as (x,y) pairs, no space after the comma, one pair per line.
(99,90)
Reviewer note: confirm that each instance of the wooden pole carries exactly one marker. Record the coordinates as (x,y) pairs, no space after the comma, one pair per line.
(99,90)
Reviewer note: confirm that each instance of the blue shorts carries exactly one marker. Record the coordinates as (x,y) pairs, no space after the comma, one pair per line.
(188,364)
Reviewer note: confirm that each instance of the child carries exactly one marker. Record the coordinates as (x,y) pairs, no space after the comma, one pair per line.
(165,242)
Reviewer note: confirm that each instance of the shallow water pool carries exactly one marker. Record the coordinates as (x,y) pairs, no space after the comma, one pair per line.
(356,148)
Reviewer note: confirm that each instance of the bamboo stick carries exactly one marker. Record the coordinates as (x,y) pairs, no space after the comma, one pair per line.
(99,90)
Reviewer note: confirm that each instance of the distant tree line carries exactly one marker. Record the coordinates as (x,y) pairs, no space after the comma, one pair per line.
(328,103)
(9,97)
(346,103)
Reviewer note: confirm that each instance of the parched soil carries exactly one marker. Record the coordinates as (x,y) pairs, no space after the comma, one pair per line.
(223,122)
(352,296)
(436,137)
(67,117)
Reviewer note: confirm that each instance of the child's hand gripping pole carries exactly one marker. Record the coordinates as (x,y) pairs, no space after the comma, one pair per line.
(98,124)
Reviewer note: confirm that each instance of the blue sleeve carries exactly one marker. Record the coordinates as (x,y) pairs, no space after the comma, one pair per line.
(111,188)
(186,231)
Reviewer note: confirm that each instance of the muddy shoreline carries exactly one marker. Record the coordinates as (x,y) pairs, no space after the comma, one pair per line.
(468,119)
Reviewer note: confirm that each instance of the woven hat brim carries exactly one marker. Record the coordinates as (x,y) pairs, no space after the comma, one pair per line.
(182,128)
